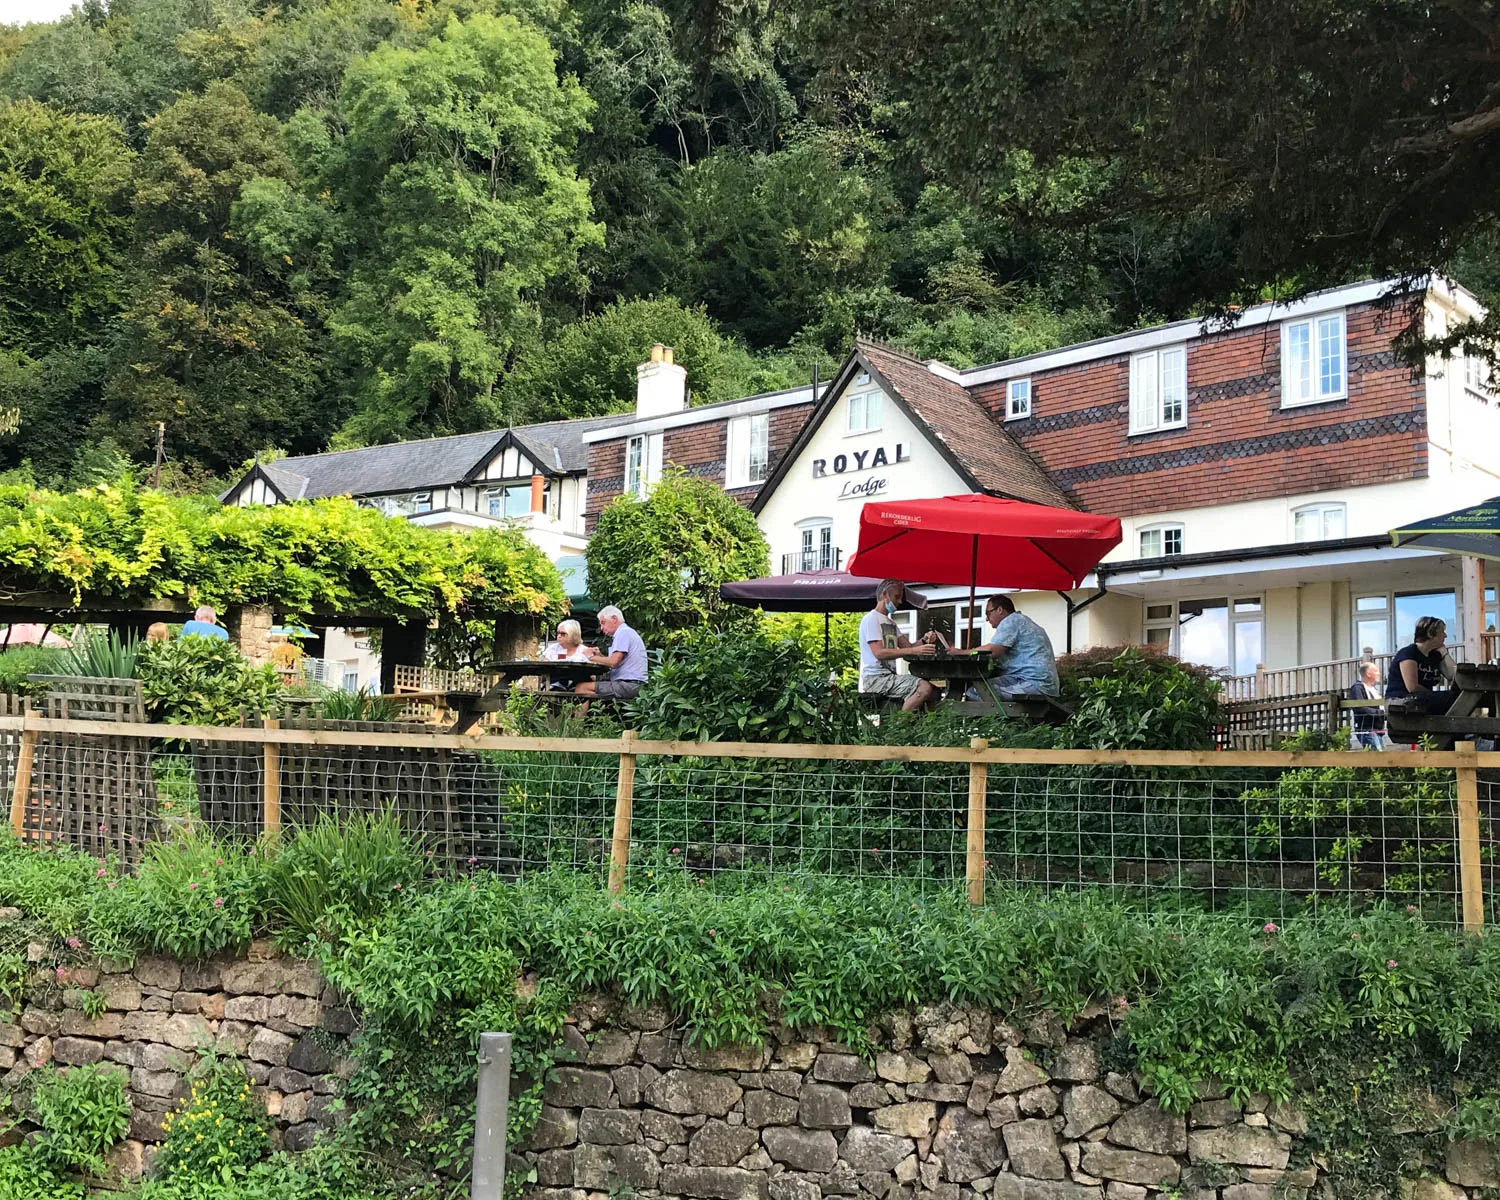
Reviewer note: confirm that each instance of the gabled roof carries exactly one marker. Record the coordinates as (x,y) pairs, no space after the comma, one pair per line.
(981,451)
(556,446)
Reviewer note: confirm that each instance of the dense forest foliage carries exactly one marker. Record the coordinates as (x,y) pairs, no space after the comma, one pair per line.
(284,225)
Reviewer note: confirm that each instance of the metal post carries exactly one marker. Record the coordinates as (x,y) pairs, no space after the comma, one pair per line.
(491,1111)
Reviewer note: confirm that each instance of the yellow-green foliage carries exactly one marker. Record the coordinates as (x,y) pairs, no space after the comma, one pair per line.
(321,556)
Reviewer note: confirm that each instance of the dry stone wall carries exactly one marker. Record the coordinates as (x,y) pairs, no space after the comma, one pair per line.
(274,1013)
(953,1105)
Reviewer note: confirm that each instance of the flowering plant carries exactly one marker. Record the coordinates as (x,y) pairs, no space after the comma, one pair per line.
(217,1133)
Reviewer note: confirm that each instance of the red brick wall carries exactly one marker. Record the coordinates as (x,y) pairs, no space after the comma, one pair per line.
(699,449)
(1238,444)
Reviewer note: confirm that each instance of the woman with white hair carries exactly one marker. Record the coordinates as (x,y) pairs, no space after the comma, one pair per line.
(569,646)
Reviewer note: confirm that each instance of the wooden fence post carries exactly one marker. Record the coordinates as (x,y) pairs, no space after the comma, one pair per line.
(979,778)
(1471,879)
(21,787)
(619,847)
(271,784)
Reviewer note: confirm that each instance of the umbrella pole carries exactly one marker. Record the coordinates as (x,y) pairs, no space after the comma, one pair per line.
(973,580)
(827,652)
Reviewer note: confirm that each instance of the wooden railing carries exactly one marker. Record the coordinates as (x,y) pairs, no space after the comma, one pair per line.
(435,679)
(283,756)
(1336,675)
(1489,647)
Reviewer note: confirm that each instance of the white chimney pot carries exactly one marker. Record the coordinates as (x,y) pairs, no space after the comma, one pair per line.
(660,384)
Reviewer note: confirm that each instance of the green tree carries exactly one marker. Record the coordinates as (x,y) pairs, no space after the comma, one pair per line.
(210,345)
(588,369)
(457,179)
(662,559)
(63,224)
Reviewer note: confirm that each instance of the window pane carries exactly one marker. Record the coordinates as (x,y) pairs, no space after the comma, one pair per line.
(759,451)
(1371,604)
(517,501)
(1409,607)
(1151,543)
(856,412)
(873,405)
(1252,605)
(1203,632)
(1173,386)
(1298,362)
(1305,525)
(1171,541)
(1158,612)
(1249,646)
(1143,409)
(1372,634)
(1333,521)
(1020,397)
(1330,356)
(1158,637)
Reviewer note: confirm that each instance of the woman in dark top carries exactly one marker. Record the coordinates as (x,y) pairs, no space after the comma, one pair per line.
(1417,670)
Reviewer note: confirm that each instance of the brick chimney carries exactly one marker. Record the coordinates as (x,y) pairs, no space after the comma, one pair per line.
(660,384)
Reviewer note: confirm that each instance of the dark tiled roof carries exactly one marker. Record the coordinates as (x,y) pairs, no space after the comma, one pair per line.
(432,462)
(998,463)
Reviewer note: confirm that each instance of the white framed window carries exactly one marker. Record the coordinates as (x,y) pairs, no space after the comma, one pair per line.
(421,502)
(748,451)
(1158,541)
(349,678)
(866,411)
(1477,375)
(1313,366)
(1228,633)
(1158,390)
(1318,522)
(642,463)
(1017,399)
(513,500)
(815,537)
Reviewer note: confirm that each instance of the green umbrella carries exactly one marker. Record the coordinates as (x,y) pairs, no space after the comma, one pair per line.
(1474,531)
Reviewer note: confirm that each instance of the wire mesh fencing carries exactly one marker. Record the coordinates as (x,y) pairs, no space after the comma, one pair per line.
(1264,835)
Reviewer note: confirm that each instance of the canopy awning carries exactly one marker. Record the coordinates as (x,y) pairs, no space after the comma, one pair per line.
(811,591)
(1474,531)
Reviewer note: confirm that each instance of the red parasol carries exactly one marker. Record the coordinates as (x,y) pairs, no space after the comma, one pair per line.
(982,540)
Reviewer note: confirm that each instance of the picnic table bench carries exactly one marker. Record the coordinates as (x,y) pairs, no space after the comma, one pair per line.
(1476,687)
(469,706)
(971,668)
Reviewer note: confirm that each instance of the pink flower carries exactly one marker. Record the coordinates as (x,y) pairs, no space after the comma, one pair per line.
(395,887)
(1411,908)
(62,974)
(101,872)
(713,933)
(675,850)
(472,860)
(113,884)
(1390,964)
(103,828)
(218,862)
(1271,927)
(192,887)
(74,943)
(218,901)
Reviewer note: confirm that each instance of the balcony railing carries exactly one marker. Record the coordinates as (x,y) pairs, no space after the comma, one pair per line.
(828,558)
(1336,675)
(1489,647)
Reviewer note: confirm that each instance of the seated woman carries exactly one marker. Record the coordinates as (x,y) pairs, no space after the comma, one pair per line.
(1417,670)
(569,647)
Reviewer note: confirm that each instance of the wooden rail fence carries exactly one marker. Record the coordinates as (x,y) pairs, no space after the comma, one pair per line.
(25,731)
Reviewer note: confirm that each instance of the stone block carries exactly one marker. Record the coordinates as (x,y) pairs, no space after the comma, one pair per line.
(1039,1102)
(38,1053)
(234,1038)
(254,1009)
(1238,1144)
(913,1119)
(1011,1187)
(1130,1166)
(629,1086)
(284,1079)
(301,1137)
(981,1092)
(951,1068)
(268,1046)
(1247,1191)
(664,1127)
(902,1068)
(105,1025)
(36,1021)
(1087,1107)
(573,1087)
(146,1114)
(187,1031)
(801,1149)
(943,1093)
(824,1106)
(796,1056)
(1020,1073)
(161,973)
(554,1168)
(126,1053)
(296,1108)
(300,1011)
(842,1068)
(75,1052)
(868,1151)
(1033,1150)
(341,1021)
(763,1107)
(1150,1128)
(201,977)
(791,1186)
(1076,1062)
(155,1057)
(188,1002)
(1209,1114)
(692,1092)
(121,992)
(1121,1087)
(555,1127)
(969,1147)
(310,1056)
(1125,1191)
(714,1183)
(609,1126)
(869,1095)
(126,1161)
(1473,1163)
(724,1058)
(612,1048)
(163,1084)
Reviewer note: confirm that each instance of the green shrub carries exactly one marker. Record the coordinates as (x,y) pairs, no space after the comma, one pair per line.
(358,865)
(204,681)
(26,1175)
(101,654)
(1139,698)
(335,704)
(52,886)
(19,662)
(216,1134)
(82,1112)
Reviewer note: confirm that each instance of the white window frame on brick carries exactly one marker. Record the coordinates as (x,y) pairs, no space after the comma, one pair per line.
(748,451)
(1018,399)
(1325,514)
(1167,545)
(868,415)
(642,463)
(1309,373)
(1477,376)
(1158,390)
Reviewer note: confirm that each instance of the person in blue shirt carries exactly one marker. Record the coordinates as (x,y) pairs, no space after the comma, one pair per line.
(626,659)
(1022,649)
(205,624)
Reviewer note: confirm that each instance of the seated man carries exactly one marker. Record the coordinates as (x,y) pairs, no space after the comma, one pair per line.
(626,659)
(1022,649)
(881,644)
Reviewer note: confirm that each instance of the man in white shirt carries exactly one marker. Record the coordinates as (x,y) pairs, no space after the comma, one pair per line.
(881,644)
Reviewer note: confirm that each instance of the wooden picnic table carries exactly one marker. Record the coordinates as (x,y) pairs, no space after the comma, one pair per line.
(471,705)
(1474,712)
(976,667)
